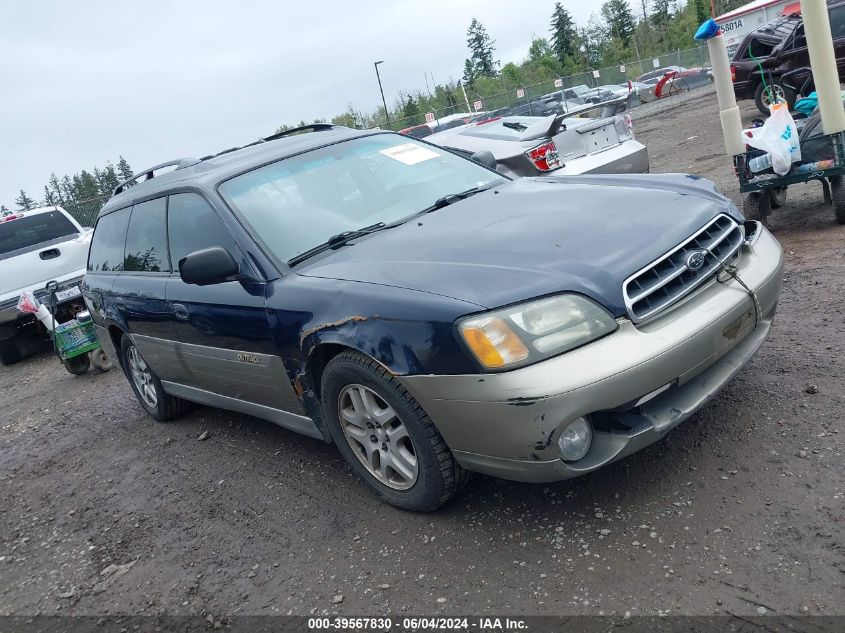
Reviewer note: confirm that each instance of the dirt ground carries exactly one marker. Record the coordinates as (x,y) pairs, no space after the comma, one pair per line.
(739,510)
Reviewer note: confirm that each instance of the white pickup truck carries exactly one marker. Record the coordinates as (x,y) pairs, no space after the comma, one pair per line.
(37,246)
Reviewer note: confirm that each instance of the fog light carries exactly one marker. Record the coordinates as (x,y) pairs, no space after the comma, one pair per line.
(575,440)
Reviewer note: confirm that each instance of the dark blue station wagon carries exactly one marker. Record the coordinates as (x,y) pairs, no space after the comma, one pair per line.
(424,313)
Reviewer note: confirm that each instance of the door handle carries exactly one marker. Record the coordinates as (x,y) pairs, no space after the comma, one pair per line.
(180,311)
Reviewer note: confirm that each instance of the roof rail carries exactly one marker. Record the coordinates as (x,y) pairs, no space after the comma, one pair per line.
(313,127)
(180,163)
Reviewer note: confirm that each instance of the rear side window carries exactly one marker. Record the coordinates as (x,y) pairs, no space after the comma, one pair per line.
(837,22)
(34,229)
(106,253)
(146,239)
(193,225)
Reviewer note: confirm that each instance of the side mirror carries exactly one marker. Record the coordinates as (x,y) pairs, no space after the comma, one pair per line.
(486,158)
(208,266)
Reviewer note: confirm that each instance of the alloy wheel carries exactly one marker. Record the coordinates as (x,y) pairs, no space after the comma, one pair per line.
(142,377)
(377,436)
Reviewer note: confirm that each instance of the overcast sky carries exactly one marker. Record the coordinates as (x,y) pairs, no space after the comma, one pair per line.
(83,82)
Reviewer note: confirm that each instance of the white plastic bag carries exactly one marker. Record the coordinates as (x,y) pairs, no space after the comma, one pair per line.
(778,137)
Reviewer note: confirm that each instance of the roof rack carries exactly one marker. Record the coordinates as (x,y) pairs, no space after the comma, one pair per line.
(181,163)
(148,174)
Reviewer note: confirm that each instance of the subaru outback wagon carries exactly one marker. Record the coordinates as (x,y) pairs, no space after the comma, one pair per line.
(424,313)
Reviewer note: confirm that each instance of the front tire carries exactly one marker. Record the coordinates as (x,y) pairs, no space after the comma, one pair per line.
(146,385)
(386,437)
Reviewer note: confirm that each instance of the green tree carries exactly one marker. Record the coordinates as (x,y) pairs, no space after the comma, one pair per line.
(620,20)
(470,72)
(701,12)
(347,119)
(4,211)
(411,112)
(124,171)
(24,201)
(481,49)
(563,42)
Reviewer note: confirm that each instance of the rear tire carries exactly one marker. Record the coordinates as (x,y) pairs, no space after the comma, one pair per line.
(146,385)
(778,198)
(837,194)
(78,365)
(763,97)
(10,351)
(373,404)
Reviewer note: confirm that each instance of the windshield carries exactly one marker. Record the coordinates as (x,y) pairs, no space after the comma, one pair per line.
(300,202)
(34,229)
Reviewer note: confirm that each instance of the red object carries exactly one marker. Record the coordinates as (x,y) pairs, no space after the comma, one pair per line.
(545,157)
(9,218)
(630,86)
(490,120)
(733,74)
(789,9)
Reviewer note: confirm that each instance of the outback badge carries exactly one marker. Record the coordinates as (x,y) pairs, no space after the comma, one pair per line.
(253,359)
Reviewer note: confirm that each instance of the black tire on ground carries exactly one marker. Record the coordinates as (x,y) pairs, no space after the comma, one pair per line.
(78,365)
(776,87)
(837,193)
(439,476)
(10,351)
(751,206)
(166,406)
(778,198)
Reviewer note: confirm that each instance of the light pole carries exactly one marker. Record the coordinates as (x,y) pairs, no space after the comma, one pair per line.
(386,113)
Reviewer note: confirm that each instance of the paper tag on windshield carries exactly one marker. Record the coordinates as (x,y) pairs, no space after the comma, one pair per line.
(409,153)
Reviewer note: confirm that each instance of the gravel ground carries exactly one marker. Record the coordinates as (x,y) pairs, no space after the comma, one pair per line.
(738,511)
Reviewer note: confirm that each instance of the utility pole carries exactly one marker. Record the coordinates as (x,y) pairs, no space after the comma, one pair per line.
(384,103)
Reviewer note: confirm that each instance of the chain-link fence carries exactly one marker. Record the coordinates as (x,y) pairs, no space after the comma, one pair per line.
(510,95)
(83,211)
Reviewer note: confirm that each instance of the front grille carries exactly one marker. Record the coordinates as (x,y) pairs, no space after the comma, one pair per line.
(667,280)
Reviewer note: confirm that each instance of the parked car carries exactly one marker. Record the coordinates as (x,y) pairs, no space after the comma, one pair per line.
(417,131)
(755,50)
(37,246)
(529,146)
(426,314)
(582,94)
(781,47)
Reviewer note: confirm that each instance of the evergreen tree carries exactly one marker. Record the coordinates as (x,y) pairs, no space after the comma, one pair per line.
(411,111)
(124,171)
(55,189)
(67,189)
(49,198)
(563,34)
(469,72)
(620,20)
(661,14)
(24,201)
(87,186)
(481,50)
(701,12)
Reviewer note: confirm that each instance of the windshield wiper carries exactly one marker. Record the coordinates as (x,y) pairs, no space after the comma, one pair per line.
(451,198)
(339,239)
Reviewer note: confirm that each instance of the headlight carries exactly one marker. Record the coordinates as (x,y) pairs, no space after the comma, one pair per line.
(533,331)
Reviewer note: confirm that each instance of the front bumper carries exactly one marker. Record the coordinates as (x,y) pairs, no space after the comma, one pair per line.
(507,424)
(629,157)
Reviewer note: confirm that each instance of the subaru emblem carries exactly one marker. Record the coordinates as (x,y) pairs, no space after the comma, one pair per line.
(695,260)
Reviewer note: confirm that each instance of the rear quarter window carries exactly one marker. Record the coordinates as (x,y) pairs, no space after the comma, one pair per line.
(25,232)
(146,238)
(106,254)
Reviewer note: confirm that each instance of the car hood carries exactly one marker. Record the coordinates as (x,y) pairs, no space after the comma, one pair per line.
(532,237)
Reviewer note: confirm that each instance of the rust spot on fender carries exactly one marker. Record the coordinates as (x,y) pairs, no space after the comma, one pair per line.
(332,324)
